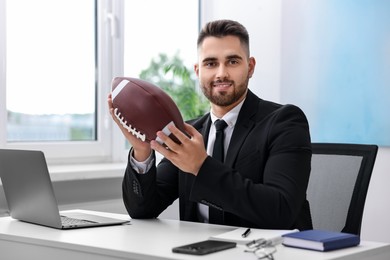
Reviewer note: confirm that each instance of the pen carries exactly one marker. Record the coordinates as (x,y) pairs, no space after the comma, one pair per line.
(246,233)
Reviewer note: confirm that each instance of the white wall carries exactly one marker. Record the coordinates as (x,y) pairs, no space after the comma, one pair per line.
(376,225)
(263,21)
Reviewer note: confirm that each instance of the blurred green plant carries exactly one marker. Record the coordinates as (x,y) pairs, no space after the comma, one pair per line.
(170,74)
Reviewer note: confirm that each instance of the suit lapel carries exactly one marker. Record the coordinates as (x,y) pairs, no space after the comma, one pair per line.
(243,126)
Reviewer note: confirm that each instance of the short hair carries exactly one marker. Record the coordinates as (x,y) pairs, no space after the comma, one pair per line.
(222,28)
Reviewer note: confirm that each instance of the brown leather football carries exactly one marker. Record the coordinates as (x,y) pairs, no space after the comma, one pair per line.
(143,108)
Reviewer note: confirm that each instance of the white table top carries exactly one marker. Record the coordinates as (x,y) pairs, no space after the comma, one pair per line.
(146,239)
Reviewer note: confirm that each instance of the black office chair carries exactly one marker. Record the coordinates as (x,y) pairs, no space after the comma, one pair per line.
(338,185)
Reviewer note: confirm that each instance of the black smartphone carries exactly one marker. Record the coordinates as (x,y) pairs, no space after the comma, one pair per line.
(204,247)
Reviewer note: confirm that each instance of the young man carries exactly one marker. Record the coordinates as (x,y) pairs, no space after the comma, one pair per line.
(262,181)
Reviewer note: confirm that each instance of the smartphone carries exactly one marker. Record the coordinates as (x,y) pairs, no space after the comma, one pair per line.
(204,247)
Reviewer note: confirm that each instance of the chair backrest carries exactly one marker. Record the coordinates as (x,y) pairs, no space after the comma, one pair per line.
(338,185)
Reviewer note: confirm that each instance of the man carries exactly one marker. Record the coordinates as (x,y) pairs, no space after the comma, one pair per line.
(262,181)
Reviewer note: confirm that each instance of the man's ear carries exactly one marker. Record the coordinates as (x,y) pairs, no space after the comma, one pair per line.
(252,65)
(196,69)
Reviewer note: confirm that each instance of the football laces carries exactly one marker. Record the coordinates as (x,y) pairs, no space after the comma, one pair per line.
(129,128)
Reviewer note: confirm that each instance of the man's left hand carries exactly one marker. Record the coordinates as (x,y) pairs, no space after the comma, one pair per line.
(189,155)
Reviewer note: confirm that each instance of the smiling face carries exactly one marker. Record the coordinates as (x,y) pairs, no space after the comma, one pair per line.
(223,69)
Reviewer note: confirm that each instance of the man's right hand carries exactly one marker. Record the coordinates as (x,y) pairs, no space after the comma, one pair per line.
(141,149)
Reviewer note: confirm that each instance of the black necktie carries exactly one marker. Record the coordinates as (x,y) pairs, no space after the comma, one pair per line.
(218,151)
(216,215)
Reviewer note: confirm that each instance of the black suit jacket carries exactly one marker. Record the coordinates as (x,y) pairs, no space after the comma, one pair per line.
(262,183)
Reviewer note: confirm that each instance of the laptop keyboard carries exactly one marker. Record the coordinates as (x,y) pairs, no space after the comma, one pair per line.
(66,221)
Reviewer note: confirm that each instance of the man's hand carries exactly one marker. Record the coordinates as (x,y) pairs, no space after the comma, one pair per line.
(141,149)
(187,156)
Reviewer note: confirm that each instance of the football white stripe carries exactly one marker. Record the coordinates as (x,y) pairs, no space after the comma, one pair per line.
(118,88)
(166,131)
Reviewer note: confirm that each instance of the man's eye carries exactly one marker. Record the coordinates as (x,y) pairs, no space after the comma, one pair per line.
(210,64)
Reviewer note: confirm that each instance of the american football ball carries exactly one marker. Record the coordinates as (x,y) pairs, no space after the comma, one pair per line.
(143,108)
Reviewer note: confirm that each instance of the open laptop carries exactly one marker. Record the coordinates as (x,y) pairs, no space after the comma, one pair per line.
(30,196)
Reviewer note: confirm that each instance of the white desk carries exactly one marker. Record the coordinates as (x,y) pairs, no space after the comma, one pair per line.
(144,239)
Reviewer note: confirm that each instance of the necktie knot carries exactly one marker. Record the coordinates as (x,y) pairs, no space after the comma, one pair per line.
(220,125)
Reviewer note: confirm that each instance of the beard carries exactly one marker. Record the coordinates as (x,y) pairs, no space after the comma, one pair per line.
(222,98)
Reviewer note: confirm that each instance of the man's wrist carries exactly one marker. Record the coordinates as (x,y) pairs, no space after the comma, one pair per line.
(141,166)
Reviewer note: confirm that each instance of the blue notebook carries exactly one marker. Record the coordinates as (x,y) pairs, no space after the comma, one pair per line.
(320,240)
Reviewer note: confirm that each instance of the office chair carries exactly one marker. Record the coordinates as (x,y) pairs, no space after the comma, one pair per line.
(338,185)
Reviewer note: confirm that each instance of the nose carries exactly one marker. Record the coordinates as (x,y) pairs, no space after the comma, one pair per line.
(222,72)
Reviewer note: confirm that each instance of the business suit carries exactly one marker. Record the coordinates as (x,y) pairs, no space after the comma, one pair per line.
(262,183)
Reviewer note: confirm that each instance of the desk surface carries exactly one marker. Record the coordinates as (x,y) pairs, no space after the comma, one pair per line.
(144,239)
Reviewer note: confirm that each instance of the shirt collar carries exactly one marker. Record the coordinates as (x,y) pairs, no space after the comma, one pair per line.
(231,116)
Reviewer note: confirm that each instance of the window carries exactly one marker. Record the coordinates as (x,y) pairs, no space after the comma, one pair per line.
(51,80)
(58,60)
(50,71)
(159,38)
(156,27)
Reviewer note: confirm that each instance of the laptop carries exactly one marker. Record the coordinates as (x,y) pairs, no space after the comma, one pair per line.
(30,195)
